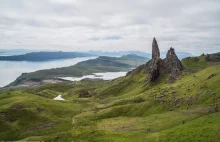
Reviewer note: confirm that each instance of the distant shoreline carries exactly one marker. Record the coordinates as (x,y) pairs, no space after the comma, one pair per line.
(10,70)
(44,56)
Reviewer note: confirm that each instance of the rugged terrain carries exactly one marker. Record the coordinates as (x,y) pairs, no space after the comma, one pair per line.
(131,108)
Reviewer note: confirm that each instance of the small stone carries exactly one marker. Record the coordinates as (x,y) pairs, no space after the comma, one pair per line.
(211,76)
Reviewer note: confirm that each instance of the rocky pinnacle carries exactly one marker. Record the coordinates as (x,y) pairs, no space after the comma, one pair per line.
(155,49)
(170,65)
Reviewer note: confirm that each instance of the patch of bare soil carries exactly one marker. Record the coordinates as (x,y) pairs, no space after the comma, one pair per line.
(6,117)
(17,106)
(201,111)
(29,83)
(52,81)
(43,126)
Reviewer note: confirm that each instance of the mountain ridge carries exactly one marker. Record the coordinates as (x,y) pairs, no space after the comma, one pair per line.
(44,56)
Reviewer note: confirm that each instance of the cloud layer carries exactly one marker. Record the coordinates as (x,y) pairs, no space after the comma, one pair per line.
(186,25)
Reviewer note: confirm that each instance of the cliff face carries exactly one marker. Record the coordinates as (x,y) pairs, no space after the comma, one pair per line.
(170,65)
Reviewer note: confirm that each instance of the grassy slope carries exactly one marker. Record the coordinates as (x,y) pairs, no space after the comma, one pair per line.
(25,115)
(31,114)
(130,111)
(125,109)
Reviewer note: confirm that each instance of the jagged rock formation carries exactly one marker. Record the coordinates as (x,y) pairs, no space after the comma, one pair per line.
(156,66)
(153,66)
(172,62)
(213,57)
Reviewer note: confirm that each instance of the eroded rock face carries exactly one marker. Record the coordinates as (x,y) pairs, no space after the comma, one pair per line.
(172,62)
(153,68)
(156,66)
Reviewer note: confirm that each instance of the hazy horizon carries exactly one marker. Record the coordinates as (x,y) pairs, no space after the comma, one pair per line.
(24,51)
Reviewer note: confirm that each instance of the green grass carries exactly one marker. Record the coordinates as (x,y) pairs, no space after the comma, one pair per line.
(25,115)
(124,109)
(133,111)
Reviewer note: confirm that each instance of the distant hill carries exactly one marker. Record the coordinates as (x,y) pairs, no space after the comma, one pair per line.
(133,56)
(13,52)
(44,56)
(118,53)
(19,52)
(100,64)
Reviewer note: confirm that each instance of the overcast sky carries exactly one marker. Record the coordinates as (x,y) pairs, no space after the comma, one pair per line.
(110,25)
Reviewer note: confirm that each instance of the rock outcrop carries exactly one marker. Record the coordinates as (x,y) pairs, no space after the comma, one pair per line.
(172,62)
(157,67)
(153,68)
(213,57)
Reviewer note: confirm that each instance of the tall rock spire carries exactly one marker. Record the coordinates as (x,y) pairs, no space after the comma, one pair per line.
(154,64)
(155,49)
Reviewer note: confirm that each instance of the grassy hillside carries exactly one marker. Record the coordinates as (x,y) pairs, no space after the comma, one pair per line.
(31,114)
(183,111)
(124,109)
(100,64)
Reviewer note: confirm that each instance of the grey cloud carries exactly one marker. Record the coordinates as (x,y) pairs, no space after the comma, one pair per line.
(94,38)
(187,25)
(106,38)
(112,38)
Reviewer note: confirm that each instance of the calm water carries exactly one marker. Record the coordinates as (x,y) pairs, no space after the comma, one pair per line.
(104,76)
(10,70)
